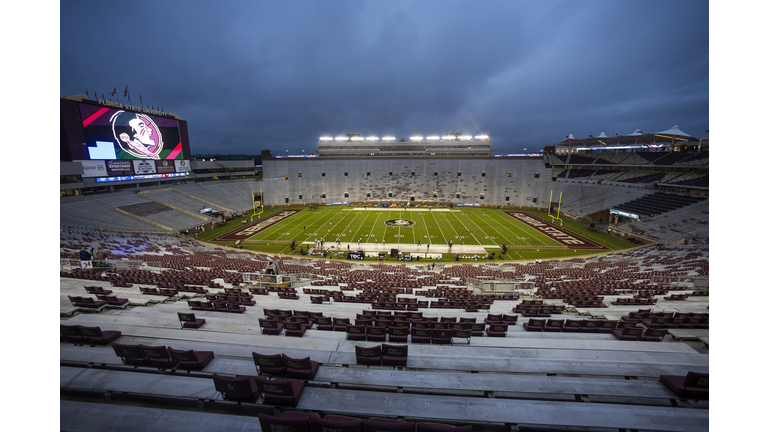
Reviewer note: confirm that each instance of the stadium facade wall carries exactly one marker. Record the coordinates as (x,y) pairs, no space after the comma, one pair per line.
(494,181)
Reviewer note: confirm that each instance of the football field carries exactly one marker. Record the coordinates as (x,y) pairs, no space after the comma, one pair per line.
(409,228)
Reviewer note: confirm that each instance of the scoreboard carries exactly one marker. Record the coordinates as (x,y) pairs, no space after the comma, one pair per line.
(115,142)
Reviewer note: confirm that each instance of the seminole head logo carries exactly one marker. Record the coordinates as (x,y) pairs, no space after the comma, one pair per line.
(399,222)
(137,134)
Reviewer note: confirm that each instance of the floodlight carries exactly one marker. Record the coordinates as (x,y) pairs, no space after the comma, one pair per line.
(372,138)
(433,138)
(416,138)
(388,138)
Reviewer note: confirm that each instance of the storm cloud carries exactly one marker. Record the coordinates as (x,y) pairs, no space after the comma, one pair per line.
(254,75)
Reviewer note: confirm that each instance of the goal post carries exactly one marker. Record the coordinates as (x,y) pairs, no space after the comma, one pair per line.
(559,203)
(258,202)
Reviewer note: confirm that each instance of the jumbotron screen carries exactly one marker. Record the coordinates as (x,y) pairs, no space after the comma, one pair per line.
(114,140)
(112,133)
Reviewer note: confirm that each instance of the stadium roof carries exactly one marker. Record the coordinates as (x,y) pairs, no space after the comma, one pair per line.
(671,135)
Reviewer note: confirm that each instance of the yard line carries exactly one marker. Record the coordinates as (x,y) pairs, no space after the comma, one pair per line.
(504,225)
(481,229)
(357,229)
(445,239)
(449,224)
(426,227)
(466,228)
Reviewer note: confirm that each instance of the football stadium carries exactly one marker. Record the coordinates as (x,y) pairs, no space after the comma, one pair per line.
(381,283)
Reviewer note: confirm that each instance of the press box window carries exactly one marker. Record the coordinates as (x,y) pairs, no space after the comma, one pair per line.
(322,175)
(509,174)
(346,195)
(286,200)
(299,174)
(346,174)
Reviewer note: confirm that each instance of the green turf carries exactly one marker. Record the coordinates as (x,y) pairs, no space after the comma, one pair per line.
(489,228)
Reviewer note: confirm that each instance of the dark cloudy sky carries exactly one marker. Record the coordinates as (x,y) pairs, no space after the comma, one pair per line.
(277,75)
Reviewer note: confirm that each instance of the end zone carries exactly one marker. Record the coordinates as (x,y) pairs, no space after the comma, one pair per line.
(254,228)
(556,233)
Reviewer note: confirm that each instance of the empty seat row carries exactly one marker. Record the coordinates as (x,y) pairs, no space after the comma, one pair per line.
(384,354)
(162,357)
(285,367)
(80,335)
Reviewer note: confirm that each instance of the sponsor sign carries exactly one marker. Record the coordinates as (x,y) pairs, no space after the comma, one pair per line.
(93,168)
(165,166)
(143,166)
(119,167)
(467,205)
(356,255)
(181,165)
(338,203)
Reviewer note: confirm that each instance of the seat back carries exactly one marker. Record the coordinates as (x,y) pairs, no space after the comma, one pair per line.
(294,326)
(555,323)
(242,387)
(293,363)
(91,332)
(502,328)
(376,330)
(573,323)
(267,323)
(186,316)
(154,352)
(182,355)
(696,380)
(398,331)
(277,386)
(70,330)
(127,351)
(289,421)
(356,329)
(493,317)
(368,353)
(394,350)
(268,360)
